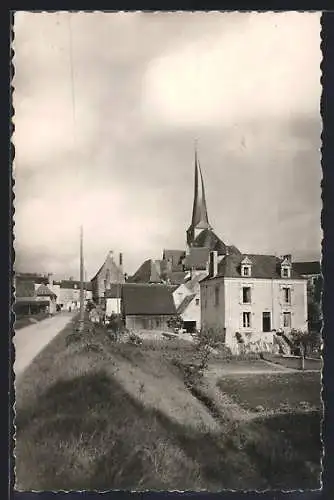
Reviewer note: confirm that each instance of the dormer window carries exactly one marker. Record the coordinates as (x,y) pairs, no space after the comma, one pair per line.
(286,267)
(246,267)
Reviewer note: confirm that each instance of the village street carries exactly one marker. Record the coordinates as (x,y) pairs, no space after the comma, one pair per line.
(30,340)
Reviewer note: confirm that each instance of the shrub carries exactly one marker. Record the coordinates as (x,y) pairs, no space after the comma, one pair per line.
(175,323)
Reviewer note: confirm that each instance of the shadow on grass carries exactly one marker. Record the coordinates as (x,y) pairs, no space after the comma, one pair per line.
(88,433)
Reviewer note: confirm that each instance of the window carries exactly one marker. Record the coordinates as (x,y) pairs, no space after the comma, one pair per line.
(286,319)
(266,322)
(246,319)
(246,271)
(197,302)
(217,295)
(285,272)
(287,295)
(246,294)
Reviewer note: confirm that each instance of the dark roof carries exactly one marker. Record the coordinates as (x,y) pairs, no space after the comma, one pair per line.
(44,291)
(197,258)
(307,268)
(177,277)
(28,301)
(175,257)
(233,250)
(34,277)
(263,266)
(195,280)
(75,284)
(147,299)
(148,272)
(24,288)
(185,303)
(208,239)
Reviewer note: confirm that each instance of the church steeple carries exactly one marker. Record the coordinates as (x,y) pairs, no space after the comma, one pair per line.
(199,219)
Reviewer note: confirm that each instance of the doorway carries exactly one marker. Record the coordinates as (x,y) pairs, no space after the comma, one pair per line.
(266,322)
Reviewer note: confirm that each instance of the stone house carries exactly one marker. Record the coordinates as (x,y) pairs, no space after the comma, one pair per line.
(109,273)
(250,296)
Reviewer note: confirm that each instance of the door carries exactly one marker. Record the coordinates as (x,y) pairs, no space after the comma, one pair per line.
(266,322)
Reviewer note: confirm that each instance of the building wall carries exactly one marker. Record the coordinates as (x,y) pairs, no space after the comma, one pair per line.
(108,274)
(193,311)
(179,294)
(266,296)
(212,315)
(142,322)
(113,306)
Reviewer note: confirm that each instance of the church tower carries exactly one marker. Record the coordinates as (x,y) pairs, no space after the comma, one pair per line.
(199,219)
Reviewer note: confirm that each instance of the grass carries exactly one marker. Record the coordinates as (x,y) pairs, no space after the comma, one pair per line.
(274,391)
(93,414)
(23,321)
(294,362)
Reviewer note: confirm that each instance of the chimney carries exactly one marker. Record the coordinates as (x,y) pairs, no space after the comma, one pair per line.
(213,264)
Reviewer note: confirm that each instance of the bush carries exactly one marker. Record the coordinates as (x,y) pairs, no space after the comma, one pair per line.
(175,323)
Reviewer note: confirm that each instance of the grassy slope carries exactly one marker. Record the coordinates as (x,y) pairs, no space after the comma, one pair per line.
(79,427)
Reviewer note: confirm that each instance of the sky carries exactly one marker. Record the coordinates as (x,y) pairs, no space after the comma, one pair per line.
(108,107)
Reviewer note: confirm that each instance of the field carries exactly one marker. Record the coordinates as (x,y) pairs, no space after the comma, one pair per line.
(94,414)
(274,391)
(294,362)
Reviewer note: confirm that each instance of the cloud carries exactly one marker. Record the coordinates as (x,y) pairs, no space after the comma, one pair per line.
(118,157)
(239,75)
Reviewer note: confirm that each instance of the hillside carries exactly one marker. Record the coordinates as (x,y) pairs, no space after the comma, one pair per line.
(93,414)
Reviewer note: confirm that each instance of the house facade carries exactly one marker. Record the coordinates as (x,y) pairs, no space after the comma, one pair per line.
(187,299)
(249,297)
(109,273)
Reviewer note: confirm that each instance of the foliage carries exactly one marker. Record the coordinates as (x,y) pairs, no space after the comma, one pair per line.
(314,292)
(175,322)
(304,342)
(134,339)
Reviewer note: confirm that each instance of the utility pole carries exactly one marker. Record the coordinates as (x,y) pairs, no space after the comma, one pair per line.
(82,310)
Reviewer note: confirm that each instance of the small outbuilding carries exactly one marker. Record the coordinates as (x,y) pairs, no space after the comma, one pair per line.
(147,306)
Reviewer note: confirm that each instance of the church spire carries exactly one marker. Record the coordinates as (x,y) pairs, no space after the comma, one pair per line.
(199,219)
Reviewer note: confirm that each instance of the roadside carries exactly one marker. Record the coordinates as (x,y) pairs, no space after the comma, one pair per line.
(30,340)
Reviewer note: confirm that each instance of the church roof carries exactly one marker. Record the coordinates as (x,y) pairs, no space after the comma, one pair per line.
(208,239)
(197,258)
(200,215)
(175,257)
(148,299)
(263,266)
(148,272)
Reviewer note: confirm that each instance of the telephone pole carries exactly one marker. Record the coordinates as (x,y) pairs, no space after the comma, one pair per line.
(82,306)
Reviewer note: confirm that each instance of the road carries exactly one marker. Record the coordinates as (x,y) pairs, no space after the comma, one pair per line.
(30,340)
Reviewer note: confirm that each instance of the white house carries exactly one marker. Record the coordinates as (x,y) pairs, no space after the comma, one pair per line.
(187,301)
(249,296)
